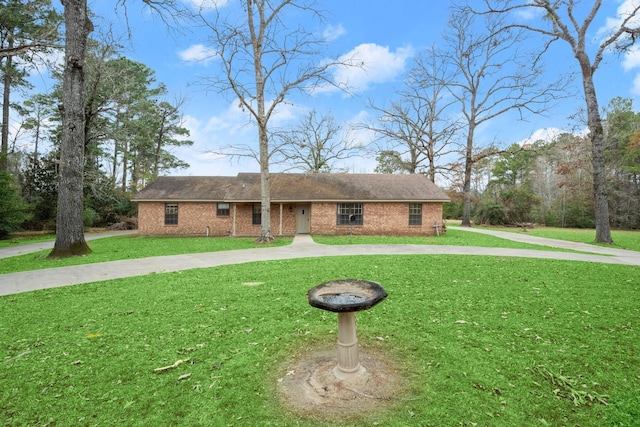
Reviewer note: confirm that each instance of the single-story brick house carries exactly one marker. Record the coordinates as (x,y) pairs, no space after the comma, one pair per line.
(329,204)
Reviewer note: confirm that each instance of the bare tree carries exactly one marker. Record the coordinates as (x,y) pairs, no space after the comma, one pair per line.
(491,76)
(419,124)
(403,126)
(559,21)
(314,145)
(264,59)
(69,225)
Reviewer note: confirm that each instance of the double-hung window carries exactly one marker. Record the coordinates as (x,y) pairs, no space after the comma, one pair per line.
(222,209)
(415,213)
(349,214)
(256,214)
(170,214)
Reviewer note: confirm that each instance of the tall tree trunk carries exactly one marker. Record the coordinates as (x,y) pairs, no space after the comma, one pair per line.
(158,149)
(135,172)
(6,94)
(69,226)
(265,188)
(114,168)
(468,163)
(125,163)
(596,134)
(263,136)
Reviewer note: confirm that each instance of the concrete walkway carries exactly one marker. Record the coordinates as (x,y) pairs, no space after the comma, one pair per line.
(40,246)
(302,247)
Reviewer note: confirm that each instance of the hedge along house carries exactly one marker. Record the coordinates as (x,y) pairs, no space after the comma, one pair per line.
(329,204)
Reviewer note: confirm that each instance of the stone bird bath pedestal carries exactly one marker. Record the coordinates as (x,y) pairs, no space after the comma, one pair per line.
(346,297)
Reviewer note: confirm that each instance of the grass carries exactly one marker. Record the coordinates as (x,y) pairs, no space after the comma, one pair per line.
(452,237)
(21,239)
(132,247)
(482,341)
(622,239)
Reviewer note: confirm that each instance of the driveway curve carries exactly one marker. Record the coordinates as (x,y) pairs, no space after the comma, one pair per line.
(303,246)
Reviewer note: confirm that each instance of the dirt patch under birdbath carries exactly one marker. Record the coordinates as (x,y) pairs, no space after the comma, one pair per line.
(308,387)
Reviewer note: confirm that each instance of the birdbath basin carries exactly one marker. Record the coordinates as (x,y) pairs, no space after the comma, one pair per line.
(346,297)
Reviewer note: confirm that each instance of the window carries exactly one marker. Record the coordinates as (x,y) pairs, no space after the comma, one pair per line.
(257,214)
(223,209)
(349,213)
(170,214)
(415,213)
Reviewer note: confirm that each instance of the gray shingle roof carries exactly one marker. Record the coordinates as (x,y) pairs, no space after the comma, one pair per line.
(286,187)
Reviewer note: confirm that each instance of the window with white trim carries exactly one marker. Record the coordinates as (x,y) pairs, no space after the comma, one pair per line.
(170,214)
(415,213)
(349,214)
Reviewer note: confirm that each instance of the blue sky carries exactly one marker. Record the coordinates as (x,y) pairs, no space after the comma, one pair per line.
(385,35)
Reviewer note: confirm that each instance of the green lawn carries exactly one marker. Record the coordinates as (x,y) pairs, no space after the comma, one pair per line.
(482,341)
(26,238)
(133,246)
(622,239)
(451,237)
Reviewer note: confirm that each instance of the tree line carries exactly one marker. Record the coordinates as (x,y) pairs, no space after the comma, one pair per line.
(490,63)
(110,129)
(551,182)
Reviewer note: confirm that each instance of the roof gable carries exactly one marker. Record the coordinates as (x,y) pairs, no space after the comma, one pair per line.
(286,187)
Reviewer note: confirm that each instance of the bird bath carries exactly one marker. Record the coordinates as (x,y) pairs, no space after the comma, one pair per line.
(346,297)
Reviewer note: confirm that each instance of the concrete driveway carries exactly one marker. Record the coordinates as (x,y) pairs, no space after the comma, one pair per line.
(302,247)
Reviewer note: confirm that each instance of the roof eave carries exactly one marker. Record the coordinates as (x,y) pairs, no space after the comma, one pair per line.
(296,200)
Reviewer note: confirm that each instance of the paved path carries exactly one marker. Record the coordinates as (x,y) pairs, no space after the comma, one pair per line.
(40,246)
(302,247)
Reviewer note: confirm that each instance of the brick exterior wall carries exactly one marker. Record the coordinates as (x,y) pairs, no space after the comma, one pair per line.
(244,217)
(195,217)
(377,219)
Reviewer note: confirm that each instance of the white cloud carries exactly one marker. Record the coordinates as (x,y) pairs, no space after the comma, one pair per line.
(356,135)
(230,130)
(236,119)
(635,90)
(625,10)
(230,127)
(368,64)
(333,32)
(631,59)
(545,134)
(207,4)
(198,53)
(549,134)
(232,121)
(529,14)
(613,24)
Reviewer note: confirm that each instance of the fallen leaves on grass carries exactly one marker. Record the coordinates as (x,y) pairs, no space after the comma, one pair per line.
(570,388)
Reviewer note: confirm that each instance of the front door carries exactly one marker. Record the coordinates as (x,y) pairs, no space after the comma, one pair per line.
(303,219)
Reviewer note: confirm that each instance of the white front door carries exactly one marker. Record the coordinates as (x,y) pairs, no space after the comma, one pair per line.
(303,219)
